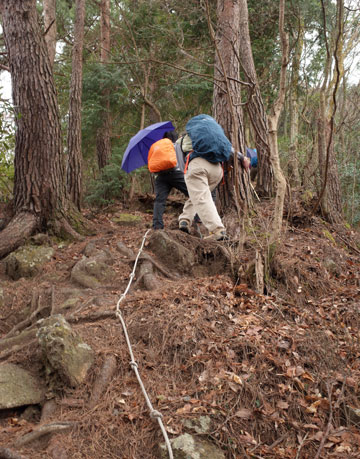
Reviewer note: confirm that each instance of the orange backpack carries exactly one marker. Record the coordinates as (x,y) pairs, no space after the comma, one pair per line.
(162,156)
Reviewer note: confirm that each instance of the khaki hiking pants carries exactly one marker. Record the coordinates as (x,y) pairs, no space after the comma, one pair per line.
(201,178)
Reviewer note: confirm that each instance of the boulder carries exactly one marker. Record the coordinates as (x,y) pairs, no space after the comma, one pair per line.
(27,261)
(64,350)
(188,447)
(18,387)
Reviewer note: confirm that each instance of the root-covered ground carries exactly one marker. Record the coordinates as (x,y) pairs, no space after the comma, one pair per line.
(277,373)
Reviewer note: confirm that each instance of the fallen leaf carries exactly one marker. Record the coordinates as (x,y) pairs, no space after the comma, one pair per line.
(185,409)
(244,413)
(282,405)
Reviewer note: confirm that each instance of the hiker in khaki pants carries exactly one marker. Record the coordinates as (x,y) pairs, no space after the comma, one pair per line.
(201,178)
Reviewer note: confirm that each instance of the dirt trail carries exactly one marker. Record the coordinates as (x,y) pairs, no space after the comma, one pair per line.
(278,373)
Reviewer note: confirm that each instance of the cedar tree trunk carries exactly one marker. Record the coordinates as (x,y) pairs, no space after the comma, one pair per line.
(39,185)
(103,142)
(50,28)
(74,166)
(227,108)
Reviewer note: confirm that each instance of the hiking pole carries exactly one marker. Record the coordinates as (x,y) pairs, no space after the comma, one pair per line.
(253,190)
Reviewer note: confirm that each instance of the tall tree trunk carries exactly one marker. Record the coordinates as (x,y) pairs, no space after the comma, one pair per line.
(39,185)
(266,127)
(103,137)
(293,165)
(227,108)
(280,182)
(255,108)
(74,165)
(50,28)
(329,198)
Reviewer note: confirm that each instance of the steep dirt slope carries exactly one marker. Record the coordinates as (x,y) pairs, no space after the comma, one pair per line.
(277,374)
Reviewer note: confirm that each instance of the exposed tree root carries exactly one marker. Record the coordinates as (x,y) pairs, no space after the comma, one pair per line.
(38,432)
(146,276)
(91,317)
(102,381)
(144,256)
(26,322)
(7,453)
(63,228)
(48,410)
(259,272)
(17,231)
(8,353)
(164,271)
(23,338)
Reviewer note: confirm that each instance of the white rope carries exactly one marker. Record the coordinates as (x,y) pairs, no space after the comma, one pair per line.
(154,414)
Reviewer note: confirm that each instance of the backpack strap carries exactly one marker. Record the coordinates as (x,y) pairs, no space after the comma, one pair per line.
(187,161)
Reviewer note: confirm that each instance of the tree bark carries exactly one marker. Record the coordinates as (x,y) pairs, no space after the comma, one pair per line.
(293,165)
(39,166)
(227,109)
(280,181)
(74,166)
(50,28)
(329,198)
(255,108)
(103,137)
(39,181)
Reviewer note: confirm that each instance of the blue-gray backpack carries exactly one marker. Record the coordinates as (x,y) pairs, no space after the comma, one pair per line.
(208,139)
(251,153)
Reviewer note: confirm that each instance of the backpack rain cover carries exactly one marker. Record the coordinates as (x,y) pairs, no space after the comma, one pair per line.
(208,139)
(162,156)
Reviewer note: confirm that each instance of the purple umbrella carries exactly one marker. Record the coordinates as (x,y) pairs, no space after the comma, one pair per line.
(136,153)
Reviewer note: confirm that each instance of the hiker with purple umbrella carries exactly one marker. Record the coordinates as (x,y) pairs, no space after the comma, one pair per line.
(154,147)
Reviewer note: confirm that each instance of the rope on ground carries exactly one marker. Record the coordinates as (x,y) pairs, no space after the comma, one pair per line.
(154,414)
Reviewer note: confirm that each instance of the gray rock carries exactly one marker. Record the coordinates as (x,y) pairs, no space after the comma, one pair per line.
(188,447)
(27,261)
(353,415)
(332,267)
(18,387)
(64,350)
(200,425)
(90,249)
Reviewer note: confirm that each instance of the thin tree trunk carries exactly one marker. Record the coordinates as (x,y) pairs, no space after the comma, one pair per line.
(103,137)
(293,165)
(50,28)
(266,127)
(273,127)
(74,167)
(255,108)
(329,198)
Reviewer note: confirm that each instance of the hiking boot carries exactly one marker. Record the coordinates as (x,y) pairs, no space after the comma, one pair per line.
(184,226)
(218,235)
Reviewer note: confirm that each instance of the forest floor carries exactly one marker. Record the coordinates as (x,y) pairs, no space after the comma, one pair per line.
(278,373)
